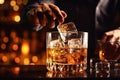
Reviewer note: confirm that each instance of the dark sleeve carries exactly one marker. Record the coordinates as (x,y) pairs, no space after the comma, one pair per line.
(105,13)
(30,7)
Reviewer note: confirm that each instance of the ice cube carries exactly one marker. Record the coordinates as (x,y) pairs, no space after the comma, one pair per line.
(74,43)
(67,31)
(70,26)
(56,43)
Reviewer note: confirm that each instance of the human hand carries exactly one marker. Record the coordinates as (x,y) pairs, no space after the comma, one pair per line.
(111,36)
(111,44)
(46,14)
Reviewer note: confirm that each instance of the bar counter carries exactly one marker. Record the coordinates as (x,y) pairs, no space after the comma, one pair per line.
(40,71)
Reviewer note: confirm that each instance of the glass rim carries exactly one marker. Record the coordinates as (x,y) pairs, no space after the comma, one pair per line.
(67,32)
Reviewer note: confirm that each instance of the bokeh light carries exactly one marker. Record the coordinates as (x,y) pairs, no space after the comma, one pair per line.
(4,58)
(13,34)
(12,3)
(2,1)
(15,70)
(15,47)
(16,39)
(34,59)
(12,55)
(16,8)
(3,46)
(25,48)
(17,60)
(26,61)
(5,39)
(17,18)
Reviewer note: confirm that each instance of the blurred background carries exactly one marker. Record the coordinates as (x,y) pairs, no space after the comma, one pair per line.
(20,45)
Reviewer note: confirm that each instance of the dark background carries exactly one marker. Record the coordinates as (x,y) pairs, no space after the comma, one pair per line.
(81,12)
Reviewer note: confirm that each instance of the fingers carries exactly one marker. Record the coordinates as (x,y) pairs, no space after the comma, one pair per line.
(115,33)
(106,38)
(48,15)
(33,20)
(45,16)
(111,36)
(60,15)
(41,16)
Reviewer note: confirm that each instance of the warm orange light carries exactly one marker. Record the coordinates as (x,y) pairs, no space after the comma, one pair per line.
(16,70)
(12,54)
(19,2)
(34,59)
(12,3)
(17,60)
(13,34)
(15,47)
(16,8)
(16,40)
(32,63)
(17,18)
(25,2)
(101,55)
(26,61)
(2,1)
(5,39)
(3,46)
(4,58)
(25,48)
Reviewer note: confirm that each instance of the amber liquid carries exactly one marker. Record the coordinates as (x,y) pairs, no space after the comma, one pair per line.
(68,59)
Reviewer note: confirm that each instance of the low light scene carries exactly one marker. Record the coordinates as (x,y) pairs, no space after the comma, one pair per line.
(59,39)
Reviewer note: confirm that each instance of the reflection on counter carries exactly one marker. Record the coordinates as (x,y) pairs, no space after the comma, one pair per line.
(21,47)
(82,74)
(40,71)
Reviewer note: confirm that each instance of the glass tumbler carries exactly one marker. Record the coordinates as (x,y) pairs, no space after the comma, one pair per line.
(69,55)
(102,69)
